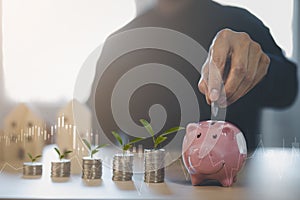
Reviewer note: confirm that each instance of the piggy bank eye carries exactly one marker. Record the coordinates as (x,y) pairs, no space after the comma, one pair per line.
(199,135)
(215,136)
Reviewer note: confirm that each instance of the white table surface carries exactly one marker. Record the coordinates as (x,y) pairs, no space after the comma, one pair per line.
(268,174)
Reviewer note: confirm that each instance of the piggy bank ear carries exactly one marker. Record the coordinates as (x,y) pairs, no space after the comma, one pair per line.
(191,127)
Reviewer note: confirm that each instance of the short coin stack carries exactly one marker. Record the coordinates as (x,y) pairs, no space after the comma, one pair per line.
(32,169)
(91,168)
(122,167)
(154,165)
(61,169)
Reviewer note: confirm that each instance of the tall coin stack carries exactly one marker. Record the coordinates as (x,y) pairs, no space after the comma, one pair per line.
(61,169)
(154,165)
(122,167)
(32,169)
(91,168)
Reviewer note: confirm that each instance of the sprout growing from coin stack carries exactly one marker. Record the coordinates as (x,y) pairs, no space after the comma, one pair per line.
(123,163)
(91,166)
(32,169)
(154,169)
(62,167)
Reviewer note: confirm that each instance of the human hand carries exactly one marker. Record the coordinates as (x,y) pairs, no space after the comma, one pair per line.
(248,65)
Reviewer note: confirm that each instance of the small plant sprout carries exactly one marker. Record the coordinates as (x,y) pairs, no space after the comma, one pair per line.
(125,146)
(61,155)
(33,159)
(92,151)
(162,137)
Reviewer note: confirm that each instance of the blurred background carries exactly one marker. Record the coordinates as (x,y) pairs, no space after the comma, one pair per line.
(45,42)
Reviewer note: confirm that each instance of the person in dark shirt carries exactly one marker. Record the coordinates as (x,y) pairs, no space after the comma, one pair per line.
(241,54)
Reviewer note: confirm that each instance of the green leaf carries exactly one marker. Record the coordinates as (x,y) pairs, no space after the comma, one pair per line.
(148,127)
(87,144)
(67,152)
(33,159)
(29,155)
(126,147)
(135,140)
(172,130)
(101,146)
(61,157)
(159,140)
(39,156)
(118,137)
(58,152)
(93,152)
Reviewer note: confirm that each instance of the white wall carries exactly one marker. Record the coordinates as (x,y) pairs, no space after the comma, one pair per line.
(296,28)
(1,61)
(3,104)
(281,127)
(46,41)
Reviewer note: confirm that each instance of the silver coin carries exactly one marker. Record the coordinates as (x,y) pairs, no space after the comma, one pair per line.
(32,169)
(154,171)
(61,169)
(122,167)
(91,168)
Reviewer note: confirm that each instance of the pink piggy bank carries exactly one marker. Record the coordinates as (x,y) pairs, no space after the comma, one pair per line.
(214,150)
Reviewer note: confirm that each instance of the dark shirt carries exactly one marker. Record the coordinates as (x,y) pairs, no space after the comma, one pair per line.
(202,20)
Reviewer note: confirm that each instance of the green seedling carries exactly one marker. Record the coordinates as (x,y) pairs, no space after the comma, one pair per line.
(61,155)
(162,137)
(92,151)
(125,146)
(33,159)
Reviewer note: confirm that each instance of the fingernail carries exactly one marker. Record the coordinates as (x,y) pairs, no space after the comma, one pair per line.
(214,95)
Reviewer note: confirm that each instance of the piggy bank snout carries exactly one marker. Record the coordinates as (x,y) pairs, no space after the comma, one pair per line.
(201,161)
(198,152)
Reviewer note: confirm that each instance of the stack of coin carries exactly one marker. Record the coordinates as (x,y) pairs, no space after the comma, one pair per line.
(91,168)
(32,169)
(154,166)
(122,167)
(61,169)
